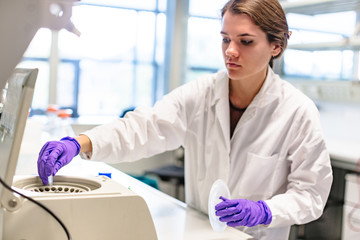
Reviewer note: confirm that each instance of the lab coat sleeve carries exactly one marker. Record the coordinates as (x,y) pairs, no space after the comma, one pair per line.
(310,175)
(143,132)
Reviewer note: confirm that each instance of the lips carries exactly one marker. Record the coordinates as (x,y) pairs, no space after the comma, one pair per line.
(232,65)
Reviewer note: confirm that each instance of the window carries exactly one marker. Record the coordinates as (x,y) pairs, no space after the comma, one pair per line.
(314,32)
(204,40)
(115,64)
(41,92)
(204,47)
(118,57)
(37,56)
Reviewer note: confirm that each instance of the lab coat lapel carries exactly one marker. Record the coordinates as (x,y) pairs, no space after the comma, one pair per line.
(269,90)
(268,93)
(221,103)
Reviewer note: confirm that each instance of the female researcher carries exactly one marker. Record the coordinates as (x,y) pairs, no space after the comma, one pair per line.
(244,125)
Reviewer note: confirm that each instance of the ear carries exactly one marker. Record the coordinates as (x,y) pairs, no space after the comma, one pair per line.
(276,49)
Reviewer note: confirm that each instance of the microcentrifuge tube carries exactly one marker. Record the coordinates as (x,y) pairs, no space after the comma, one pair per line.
(50,180)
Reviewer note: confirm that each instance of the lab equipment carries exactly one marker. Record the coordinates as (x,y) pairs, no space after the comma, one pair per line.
(218,189)
(56,154)
(15,110)
(90,208)
(57,125)
(351,212)
(85,208)
(12,123)
(243,212)
(51,180)
(65,128)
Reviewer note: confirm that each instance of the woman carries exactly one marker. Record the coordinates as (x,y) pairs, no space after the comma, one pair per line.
(244,125)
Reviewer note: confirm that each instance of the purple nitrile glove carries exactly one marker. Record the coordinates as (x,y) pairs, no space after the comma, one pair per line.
(56,154)
(243,212)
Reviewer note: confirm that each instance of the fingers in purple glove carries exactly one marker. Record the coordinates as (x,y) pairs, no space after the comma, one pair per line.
(223,198)
(226,203)
(56,154)
(41,167)
(53,159)
(237,220)
(227,212)
(43,149)
(48,155)
(243,222)
(235,215)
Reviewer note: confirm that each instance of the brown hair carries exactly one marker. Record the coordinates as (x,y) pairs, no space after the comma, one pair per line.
(267,14)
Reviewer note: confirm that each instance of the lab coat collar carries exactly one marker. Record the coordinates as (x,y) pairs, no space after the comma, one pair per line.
(221,103)
(221,86)
(268,92)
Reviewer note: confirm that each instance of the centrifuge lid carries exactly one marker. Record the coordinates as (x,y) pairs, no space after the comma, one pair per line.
(15,110)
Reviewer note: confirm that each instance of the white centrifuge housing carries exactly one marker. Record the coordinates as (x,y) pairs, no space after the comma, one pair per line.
(90,208)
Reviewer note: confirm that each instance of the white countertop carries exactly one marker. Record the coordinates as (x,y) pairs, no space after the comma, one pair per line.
(341,126)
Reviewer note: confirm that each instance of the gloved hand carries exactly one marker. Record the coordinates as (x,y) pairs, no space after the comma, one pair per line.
(242,212)
(56,154)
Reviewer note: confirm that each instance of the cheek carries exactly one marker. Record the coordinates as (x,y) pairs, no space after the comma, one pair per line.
(262,54)
(223,49)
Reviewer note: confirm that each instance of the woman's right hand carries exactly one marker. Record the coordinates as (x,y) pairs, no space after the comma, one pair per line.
(56,154)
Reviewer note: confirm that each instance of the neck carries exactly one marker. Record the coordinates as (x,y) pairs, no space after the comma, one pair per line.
(236,108)
(243,91)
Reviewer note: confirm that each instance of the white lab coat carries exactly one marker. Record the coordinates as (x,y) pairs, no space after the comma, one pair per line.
(277,152)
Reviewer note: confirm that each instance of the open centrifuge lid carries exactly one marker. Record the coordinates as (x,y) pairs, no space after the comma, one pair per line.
(15,103)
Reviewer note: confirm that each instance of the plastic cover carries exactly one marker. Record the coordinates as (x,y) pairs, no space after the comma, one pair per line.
(15,101)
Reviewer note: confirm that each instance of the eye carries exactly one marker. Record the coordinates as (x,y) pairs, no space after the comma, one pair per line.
(245,42)
(225,40)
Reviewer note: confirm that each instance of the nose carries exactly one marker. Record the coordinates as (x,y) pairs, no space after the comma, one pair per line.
(231,50)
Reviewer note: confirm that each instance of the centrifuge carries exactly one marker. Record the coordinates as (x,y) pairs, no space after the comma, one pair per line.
(73,207)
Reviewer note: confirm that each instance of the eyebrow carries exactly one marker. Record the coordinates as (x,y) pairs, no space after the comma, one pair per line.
(239,35)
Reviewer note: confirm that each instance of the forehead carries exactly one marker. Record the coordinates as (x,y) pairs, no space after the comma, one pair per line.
(239,24)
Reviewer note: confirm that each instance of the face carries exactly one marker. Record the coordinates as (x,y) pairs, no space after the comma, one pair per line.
(245,47)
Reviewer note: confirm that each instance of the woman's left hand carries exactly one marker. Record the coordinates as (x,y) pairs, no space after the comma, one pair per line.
(243,212)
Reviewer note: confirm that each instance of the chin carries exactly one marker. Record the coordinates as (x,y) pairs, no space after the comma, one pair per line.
(233,74)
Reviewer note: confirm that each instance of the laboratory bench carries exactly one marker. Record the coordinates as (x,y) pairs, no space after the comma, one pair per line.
(172,218)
